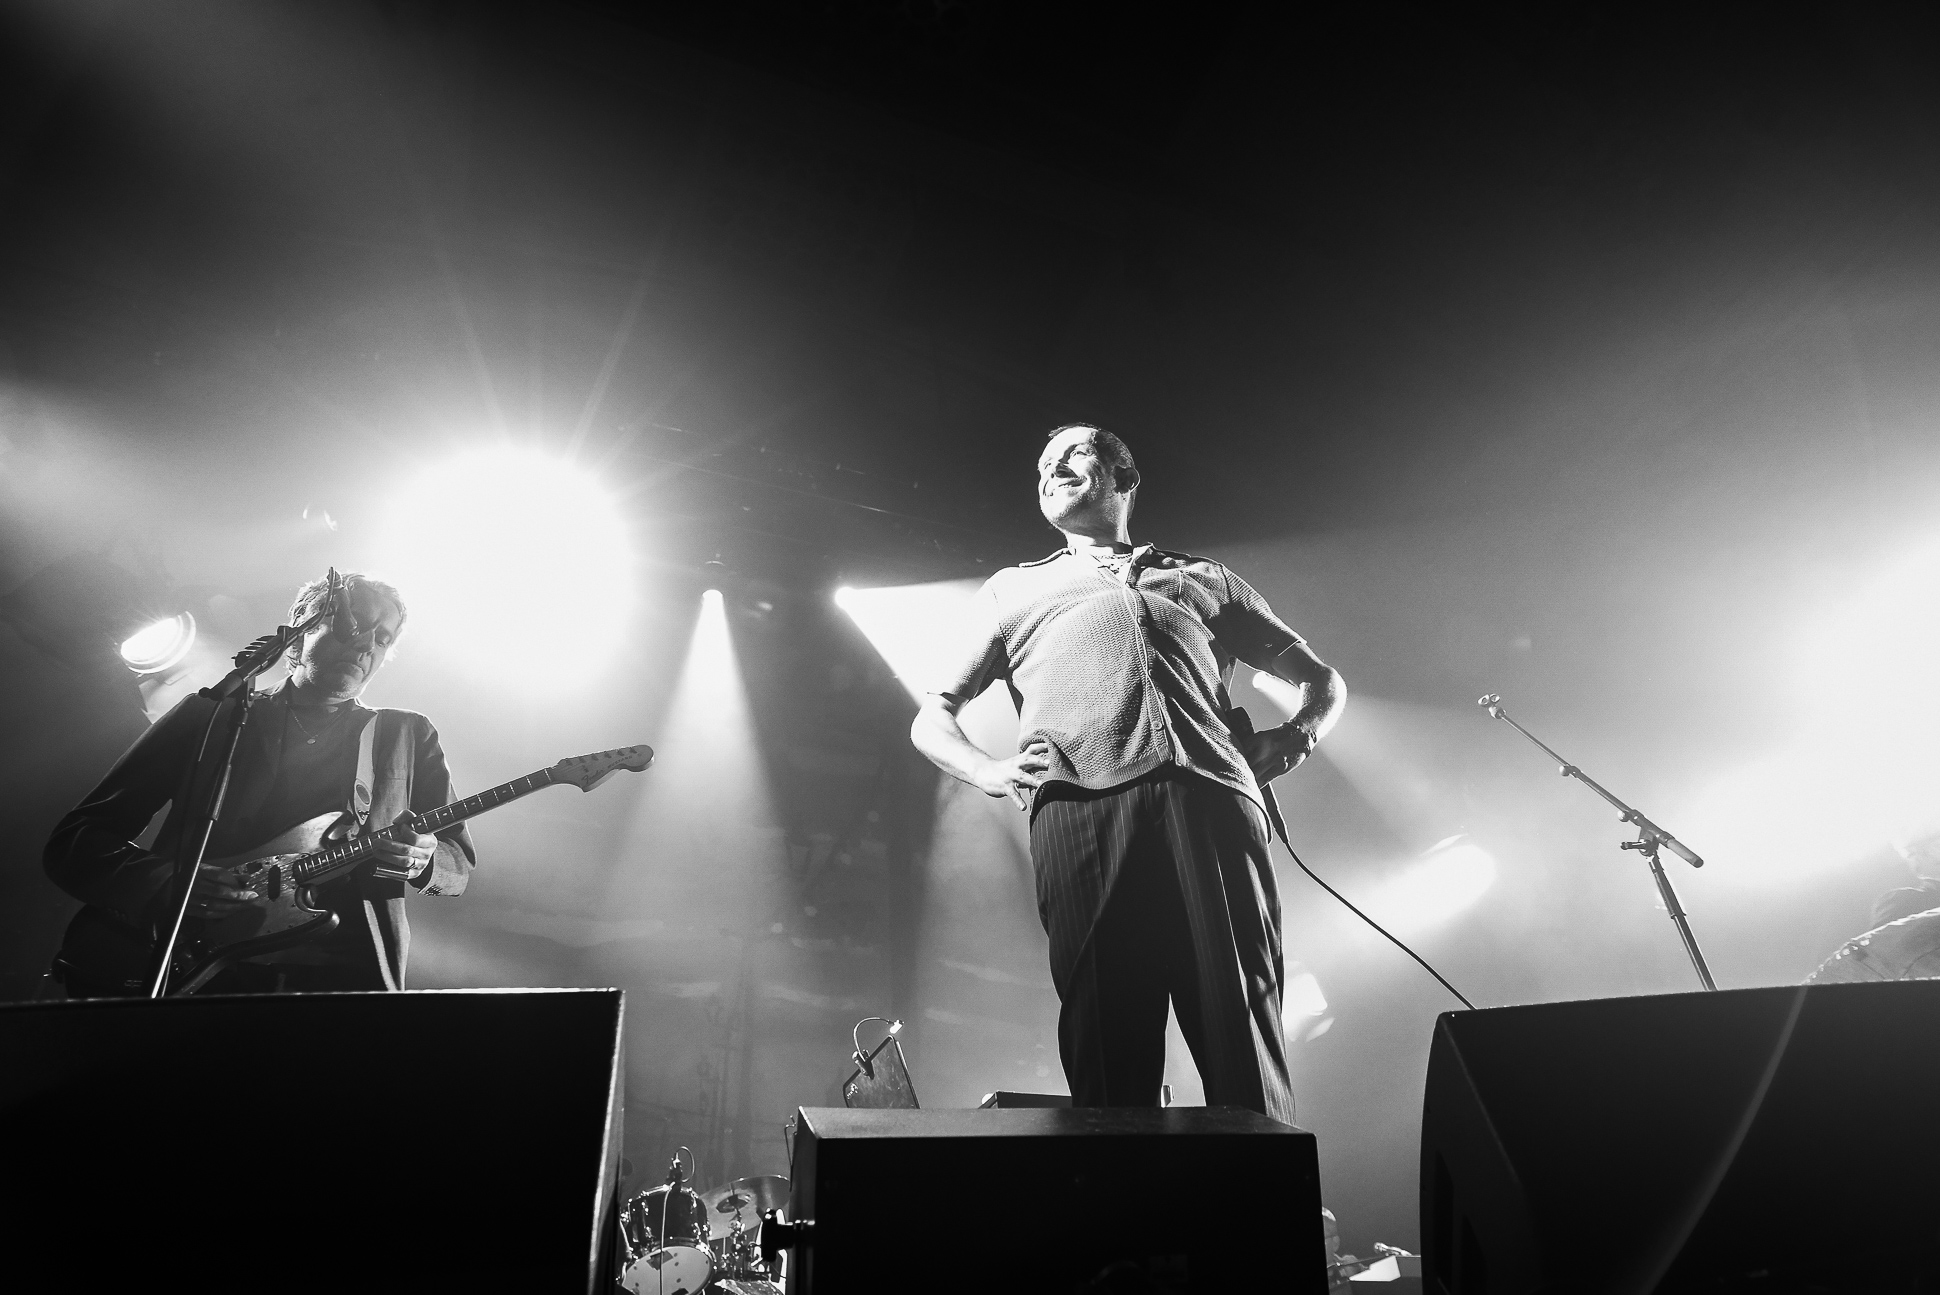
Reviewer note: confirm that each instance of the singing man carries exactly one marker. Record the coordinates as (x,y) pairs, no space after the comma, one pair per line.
(300,758)
(1148,835)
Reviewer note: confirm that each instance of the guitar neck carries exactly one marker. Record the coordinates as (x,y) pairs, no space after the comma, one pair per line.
(437,820)
(325,864)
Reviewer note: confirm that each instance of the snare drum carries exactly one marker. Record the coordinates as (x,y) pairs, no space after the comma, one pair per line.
(666,1234)
(737,1257)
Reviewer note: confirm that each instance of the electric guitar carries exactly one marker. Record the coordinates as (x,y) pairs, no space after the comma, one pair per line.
(100,950)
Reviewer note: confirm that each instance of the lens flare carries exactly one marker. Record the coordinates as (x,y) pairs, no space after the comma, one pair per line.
(1862,767)
(1303,1008)
(1447,879)
(517,566)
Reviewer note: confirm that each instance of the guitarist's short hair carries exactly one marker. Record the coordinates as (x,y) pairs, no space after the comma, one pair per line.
(312,593)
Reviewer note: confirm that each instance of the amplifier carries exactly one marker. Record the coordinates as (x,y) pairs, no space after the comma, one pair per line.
(1749,1140)
(1054,1200)
(432,1141)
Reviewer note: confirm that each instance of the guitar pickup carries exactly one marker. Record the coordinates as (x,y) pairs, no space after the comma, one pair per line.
(266,879)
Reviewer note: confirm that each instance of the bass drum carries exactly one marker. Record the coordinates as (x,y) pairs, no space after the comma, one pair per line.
(666,1234)
(1908,949)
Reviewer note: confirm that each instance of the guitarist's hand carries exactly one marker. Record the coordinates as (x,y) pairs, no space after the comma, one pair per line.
(216,893)
(404,860)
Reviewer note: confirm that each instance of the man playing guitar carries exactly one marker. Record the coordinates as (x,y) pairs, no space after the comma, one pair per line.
(307,751)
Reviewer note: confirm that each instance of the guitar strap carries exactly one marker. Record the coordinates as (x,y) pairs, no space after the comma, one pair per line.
(360,807)
(360,790)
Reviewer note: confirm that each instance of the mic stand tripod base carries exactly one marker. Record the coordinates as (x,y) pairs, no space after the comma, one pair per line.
(1647,845)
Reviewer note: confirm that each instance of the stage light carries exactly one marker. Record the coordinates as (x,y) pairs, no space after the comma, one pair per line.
(160,645)
(1449,877)
(712,669)
(710,859)
(516,566)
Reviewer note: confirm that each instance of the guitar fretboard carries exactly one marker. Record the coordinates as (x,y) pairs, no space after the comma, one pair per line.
(436,820)
(318,867)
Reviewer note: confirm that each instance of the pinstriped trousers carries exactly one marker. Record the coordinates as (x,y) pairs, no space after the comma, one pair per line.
(1162,889)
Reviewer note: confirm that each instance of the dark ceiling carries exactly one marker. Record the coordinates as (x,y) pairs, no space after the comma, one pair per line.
(811,279)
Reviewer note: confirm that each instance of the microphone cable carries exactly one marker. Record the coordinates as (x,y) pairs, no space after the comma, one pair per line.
(1376,925)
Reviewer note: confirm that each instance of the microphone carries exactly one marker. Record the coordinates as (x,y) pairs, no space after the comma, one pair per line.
(862,1060)
(343,623)
(1668,841)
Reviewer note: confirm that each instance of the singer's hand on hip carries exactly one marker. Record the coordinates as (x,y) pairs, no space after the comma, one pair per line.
(1018,775)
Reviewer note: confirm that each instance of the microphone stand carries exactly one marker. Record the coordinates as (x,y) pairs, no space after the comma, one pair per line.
(1650,838)
(250,662)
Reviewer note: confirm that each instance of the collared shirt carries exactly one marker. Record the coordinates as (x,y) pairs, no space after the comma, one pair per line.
(1120,671)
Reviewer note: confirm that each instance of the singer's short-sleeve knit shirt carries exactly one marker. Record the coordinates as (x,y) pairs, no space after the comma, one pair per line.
(1120,672)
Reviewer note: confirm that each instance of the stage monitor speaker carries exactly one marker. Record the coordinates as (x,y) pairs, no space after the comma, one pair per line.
(1053,1201)
(1751,1140)
(344,1142)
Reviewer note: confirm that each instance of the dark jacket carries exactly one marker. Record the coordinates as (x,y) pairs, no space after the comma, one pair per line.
(92,855)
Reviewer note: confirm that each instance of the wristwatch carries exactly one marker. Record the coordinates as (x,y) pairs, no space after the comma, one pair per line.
(1313,740)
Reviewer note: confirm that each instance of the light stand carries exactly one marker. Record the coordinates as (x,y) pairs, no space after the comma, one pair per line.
(1650,838)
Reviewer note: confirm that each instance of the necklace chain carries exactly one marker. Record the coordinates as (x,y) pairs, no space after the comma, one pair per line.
(309,738)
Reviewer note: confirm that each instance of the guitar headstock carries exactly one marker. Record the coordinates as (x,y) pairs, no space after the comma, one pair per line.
(589,771)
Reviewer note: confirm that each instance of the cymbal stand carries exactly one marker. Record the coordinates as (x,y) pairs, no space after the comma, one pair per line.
(1650,838)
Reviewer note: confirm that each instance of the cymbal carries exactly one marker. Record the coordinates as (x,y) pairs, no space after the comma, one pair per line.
(748,1196)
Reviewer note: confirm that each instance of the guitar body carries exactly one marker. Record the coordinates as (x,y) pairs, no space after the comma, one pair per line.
(105,953)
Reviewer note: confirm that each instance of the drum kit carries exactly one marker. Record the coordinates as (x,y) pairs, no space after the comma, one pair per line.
(682,1242)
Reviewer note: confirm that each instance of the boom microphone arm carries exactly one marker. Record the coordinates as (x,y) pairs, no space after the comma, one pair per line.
(1650,837)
